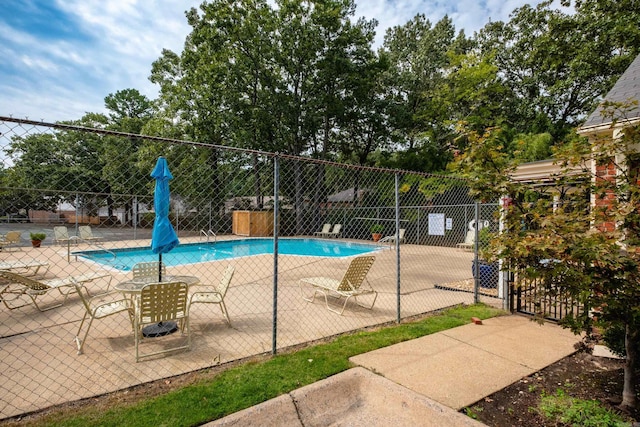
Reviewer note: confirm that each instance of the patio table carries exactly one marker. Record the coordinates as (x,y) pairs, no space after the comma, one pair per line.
(133,287)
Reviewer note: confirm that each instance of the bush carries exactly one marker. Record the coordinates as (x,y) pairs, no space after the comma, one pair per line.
(37,236)
(614,339)
(566,410)
(377,228)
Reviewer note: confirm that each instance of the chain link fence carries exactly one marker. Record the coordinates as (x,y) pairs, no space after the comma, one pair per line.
(276,219)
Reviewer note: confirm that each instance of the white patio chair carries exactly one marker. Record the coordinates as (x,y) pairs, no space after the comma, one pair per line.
(99,307)
(336,231)
(162,302)
(10,240)
(61,235)
(207,294)
(392,238)
(87,234)
(148,271)
(325,230)
(469,241)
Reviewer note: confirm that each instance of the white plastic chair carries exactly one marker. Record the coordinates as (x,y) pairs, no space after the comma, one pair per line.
(99,307)
(325,231)
(392,239)
(207,294)
(162,302)
(87,234)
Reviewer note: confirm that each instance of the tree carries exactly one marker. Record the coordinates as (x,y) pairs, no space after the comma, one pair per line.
(555,234)
(556,65)
(421,92)
(36,169)
(471,92)
(129,112)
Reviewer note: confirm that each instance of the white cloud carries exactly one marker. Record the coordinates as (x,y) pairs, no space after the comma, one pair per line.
(35,62)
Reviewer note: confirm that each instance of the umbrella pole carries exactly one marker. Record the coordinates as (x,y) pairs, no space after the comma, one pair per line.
(160,267)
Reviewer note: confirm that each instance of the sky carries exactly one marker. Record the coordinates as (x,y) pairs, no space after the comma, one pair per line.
(59,59)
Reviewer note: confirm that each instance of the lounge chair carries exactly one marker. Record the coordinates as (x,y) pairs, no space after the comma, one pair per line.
(351,284)
(61,235)
(335,232)
(469,241)
(18,285)
(162,302)
(325,230)
(392,239)
(99,307)
(25,267)
(214,294)
(10,240)
(87,234)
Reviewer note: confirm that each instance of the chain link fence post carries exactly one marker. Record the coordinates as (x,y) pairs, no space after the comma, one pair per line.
(276,237)
(397,245)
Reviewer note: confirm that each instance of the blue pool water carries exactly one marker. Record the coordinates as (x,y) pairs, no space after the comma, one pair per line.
(191,253)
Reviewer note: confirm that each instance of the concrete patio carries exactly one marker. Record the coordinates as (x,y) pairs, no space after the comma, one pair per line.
(38,355)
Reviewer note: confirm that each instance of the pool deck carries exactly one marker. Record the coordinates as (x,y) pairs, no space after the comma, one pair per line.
(38,354)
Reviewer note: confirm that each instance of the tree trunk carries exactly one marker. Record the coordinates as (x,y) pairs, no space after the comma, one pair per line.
(628,391)
(128,215)
(257,185)
(109,205)
(319,197)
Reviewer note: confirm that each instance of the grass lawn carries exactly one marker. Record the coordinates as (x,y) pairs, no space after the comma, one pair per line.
(248,384)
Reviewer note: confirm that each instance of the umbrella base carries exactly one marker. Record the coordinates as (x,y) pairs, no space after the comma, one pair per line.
(159,329)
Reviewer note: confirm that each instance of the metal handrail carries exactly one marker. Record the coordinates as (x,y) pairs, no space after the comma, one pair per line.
(90,243)
(209,233)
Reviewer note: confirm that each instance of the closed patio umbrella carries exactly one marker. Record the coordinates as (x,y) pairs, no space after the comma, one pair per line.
(163,236)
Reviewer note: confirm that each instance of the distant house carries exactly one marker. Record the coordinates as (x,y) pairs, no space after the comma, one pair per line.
(251,203)
(346,198)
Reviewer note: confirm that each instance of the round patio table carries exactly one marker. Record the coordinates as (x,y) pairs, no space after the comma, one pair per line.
(134,287)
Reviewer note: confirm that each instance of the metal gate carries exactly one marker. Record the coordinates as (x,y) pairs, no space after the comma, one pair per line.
(541,298)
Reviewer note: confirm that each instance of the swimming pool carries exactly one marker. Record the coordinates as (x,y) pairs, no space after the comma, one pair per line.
(192,253)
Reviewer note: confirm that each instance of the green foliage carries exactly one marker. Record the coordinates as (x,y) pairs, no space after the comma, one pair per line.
(556,235)
(377,228)
(472,91)
(418,55)
(433,186)
(472,412)
(486,164)
(532,147)
(614,338)
(562,408)
(37,236)
(484,238)
(555,64)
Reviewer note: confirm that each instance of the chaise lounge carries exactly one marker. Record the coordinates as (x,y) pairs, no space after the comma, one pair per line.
(351,284)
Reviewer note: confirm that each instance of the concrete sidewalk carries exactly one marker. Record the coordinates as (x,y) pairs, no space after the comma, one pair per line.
(420,382)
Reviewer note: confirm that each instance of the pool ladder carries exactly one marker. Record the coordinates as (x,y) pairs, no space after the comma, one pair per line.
(209,233)
(91,244)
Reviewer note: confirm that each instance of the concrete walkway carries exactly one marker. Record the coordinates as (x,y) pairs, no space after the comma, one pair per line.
(419,382)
